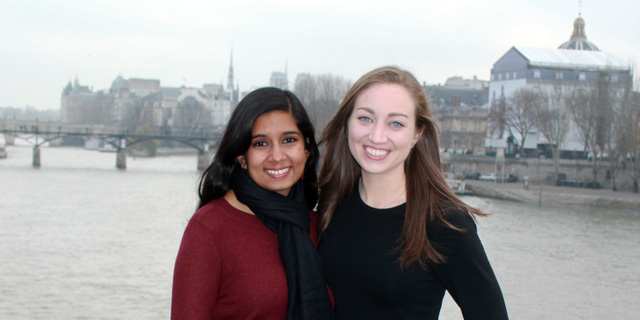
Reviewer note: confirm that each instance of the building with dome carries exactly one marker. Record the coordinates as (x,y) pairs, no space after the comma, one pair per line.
(576,64)
(578,39)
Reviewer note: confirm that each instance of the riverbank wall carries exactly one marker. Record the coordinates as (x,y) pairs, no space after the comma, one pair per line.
(551,195)
(536,169)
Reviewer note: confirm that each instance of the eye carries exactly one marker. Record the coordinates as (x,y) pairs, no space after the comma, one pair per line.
(289,140)
(397,124)
(259,143)
(365,119)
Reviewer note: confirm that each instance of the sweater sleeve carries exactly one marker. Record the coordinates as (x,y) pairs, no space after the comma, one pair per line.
(196,277)
(467,274)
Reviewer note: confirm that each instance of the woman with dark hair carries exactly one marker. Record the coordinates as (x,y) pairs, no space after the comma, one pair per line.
(393,236)
(249,250)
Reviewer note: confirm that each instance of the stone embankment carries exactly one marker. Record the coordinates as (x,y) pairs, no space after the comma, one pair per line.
(555,195)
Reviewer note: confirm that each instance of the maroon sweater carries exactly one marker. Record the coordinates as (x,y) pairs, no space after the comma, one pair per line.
(228,267)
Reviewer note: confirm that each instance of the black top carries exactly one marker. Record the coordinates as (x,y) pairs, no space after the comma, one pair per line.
(359,252)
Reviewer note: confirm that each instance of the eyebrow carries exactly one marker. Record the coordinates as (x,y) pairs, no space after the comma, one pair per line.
(391,114)
(286,133)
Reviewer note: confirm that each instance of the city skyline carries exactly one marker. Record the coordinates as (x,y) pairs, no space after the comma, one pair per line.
(190,44)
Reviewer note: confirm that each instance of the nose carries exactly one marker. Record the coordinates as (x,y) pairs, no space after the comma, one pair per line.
(276,153)
(378,133)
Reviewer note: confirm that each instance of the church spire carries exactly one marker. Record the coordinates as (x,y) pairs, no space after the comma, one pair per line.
(230,78)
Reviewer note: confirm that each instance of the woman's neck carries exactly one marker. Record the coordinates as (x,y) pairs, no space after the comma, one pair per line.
(383,191)
(230,196)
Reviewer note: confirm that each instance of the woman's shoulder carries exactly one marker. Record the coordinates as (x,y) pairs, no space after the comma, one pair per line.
(219,213)
(455,216)
(459,217)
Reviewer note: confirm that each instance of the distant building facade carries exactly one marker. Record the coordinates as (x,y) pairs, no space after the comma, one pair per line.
(460,109)
(76,100)
(279,79)
(576,65)
(132,102)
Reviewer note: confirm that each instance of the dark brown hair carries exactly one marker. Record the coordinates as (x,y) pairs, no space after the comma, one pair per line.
(428,195)
(215,180)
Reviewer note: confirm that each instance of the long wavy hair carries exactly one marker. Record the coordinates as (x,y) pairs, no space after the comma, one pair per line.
(215,180)
(428,195)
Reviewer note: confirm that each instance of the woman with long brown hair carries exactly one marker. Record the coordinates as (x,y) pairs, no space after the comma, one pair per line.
(393,236)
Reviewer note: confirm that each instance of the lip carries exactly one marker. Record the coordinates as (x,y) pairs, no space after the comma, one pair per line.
(278,173)
(378,154)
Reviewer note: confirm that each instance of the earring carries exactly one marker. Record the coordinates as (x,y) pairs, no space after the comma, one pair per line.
(413,144)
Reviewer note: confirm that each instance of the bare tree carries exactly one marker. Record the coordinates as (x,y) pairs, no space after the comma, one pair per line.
(496,119)
(191,117)
(139,111)
(552,121)
(623,147)
(583,106)
(632,143)
(520,114)
(591,108)
(321,95)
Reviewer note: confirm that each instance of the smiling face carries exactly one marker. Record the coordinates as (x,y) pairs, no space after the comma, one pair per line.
(277,156)
(382,129)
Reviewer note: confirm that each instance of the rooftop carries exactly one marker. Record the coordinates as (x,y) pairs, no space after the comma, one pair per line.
(572,59)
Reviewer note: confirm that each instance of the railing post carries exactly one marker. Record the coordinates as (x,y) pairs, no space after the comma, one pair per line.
(121,157)
(36,156)
(203,160)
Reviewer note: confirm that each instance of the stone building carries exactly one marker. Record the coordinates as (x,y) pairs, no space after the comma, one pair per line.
(279,79)
(133,102)
(76,102)
(460,109)
(576,65)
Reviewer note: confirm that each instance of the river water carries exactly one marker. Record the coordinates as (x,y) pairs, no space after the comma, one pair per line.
(80,239)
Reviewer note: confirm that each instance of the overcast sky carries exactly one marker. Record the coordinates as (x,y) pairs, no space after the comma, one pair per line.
(45,44)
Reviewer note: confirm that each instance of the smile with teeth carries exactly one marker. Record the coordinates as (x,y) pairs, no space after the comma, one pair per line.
(376,152)
(278,172)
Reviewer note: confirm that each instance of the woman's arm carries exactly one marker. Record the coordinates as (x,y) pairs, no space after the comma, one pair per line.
(467,274)
(196,277)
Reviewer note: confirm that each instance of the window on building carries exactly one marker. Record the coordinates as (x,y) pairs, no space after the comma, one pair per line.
(559,75)
(582,76)
(514,75)
(456,100)
(614,78)
(499,76)
(536,74)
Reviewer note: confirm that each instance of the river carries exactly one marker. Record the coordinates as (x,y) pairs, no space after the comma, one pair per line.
(80,239)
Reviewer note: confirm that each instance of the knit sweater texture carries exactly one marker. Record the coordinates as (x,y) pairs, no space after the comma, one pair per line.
(228,267)
(360,251)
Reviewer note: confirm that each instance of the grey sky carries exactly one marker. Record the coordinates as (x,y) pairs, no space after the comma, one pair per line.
(45,44)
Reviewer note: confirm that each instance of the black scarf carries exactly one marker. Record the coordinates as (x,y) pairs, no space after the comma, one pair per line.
(289,218)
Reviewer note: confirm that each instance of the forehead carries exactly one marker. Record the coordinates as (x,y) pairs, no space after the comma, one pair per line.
(274,122)
(386,97)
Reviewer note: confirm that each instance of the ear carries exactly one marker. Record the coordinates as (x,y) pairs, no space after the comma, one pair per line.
(417,136)
(306,151)
(243,161)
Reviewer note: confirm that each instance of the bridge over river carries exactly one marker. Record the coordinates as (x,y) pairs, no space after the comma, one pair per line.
(38,134)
